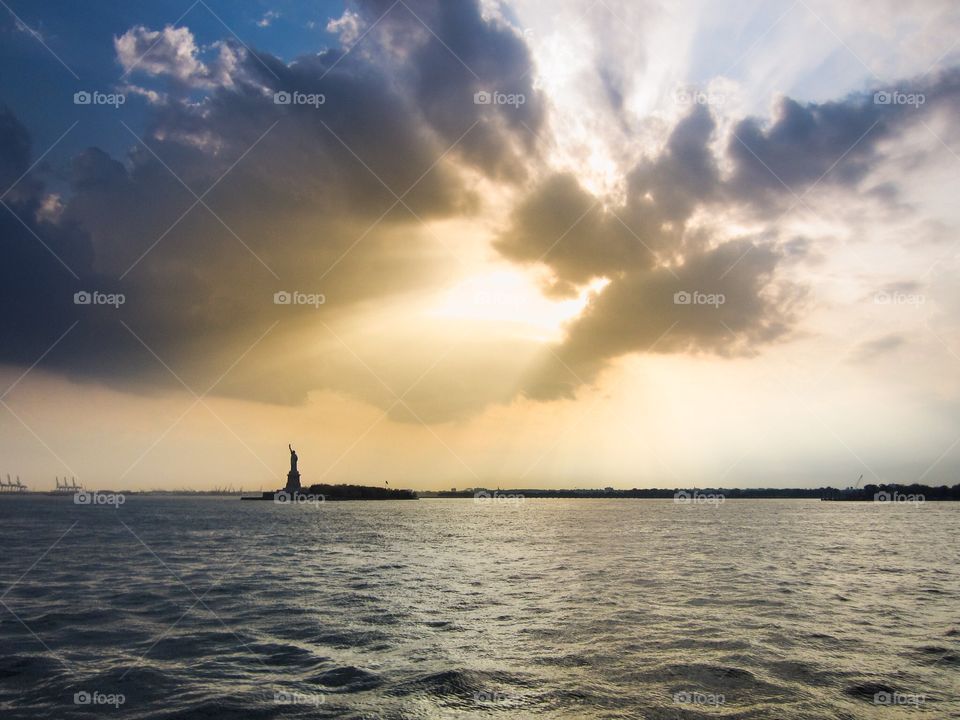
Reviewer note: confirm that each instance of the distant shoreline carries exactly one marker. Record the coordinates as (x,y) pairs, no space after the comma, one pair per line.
(869,493)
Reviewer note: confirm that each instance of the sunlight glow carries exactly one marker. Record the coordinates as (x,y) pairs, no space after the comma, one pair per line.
(512,299)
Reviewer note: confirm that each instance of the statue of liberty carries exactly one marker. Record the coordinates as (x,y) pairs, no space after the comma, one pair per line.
(293,477)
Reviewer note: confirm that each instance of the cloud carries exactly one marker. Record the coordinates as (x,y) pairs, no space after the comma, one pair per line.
(653,243)
(348,26)
(901,287)
(268,17)
(296,197)
(724,301)
(446,53)
(173,53)
(580,238)
(153,97)
(15,149)
(36,286)
(653,261)
(564,226)
(342,195)
(834,143)
(873,349)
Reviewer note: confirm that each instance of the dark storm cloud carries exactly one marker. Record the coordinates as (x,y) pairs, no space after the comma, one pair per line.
(802,144)
(720,301)
(302,196)
(836,142)
(303,185)
(671,289)
(455,54)
(648,251)
(558,221)
(565,227)
(14,149)
(44,260)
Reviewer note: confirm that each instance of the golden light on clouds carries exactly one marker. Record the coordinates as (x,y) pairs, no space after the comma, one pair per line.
(504,281)
(509,301)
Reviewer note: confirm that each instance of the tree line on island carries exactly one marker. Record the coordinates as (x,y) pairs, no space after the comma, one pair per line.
(883,492)
(867,492)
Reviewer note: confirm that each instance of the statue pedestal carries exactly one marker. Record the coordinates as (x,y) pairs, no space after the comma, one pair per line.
(293,481)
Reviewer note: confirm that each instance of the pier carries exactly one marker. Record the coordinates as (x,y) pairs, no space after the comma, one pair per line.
(11,487)
(68,486)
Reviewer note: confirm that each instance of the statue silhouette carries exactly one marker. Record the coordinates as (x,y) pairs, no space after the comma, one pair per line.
(293,477)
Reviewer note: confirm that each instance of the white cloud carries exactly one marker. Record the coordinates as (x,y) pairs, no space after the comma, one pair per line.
(347,26)
(173,53)
(268,18)
(152,96)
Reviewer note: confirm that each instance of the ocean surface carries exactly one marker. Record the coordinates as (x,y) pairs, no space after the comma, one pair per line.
(167,607)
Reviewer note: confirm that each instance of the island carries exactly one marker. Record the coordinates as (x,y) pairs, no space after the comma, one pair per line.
(294,493)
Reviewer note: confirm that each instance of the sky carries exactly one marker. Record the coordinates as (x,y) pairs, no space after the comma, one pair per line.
(483,243)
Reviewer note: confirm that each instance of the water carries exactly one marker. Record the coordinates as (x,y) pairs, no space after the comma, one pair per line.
(213,608)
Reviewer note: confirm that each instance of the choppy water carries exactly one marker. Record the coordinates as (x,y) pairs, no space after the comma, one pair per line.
(213,608)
